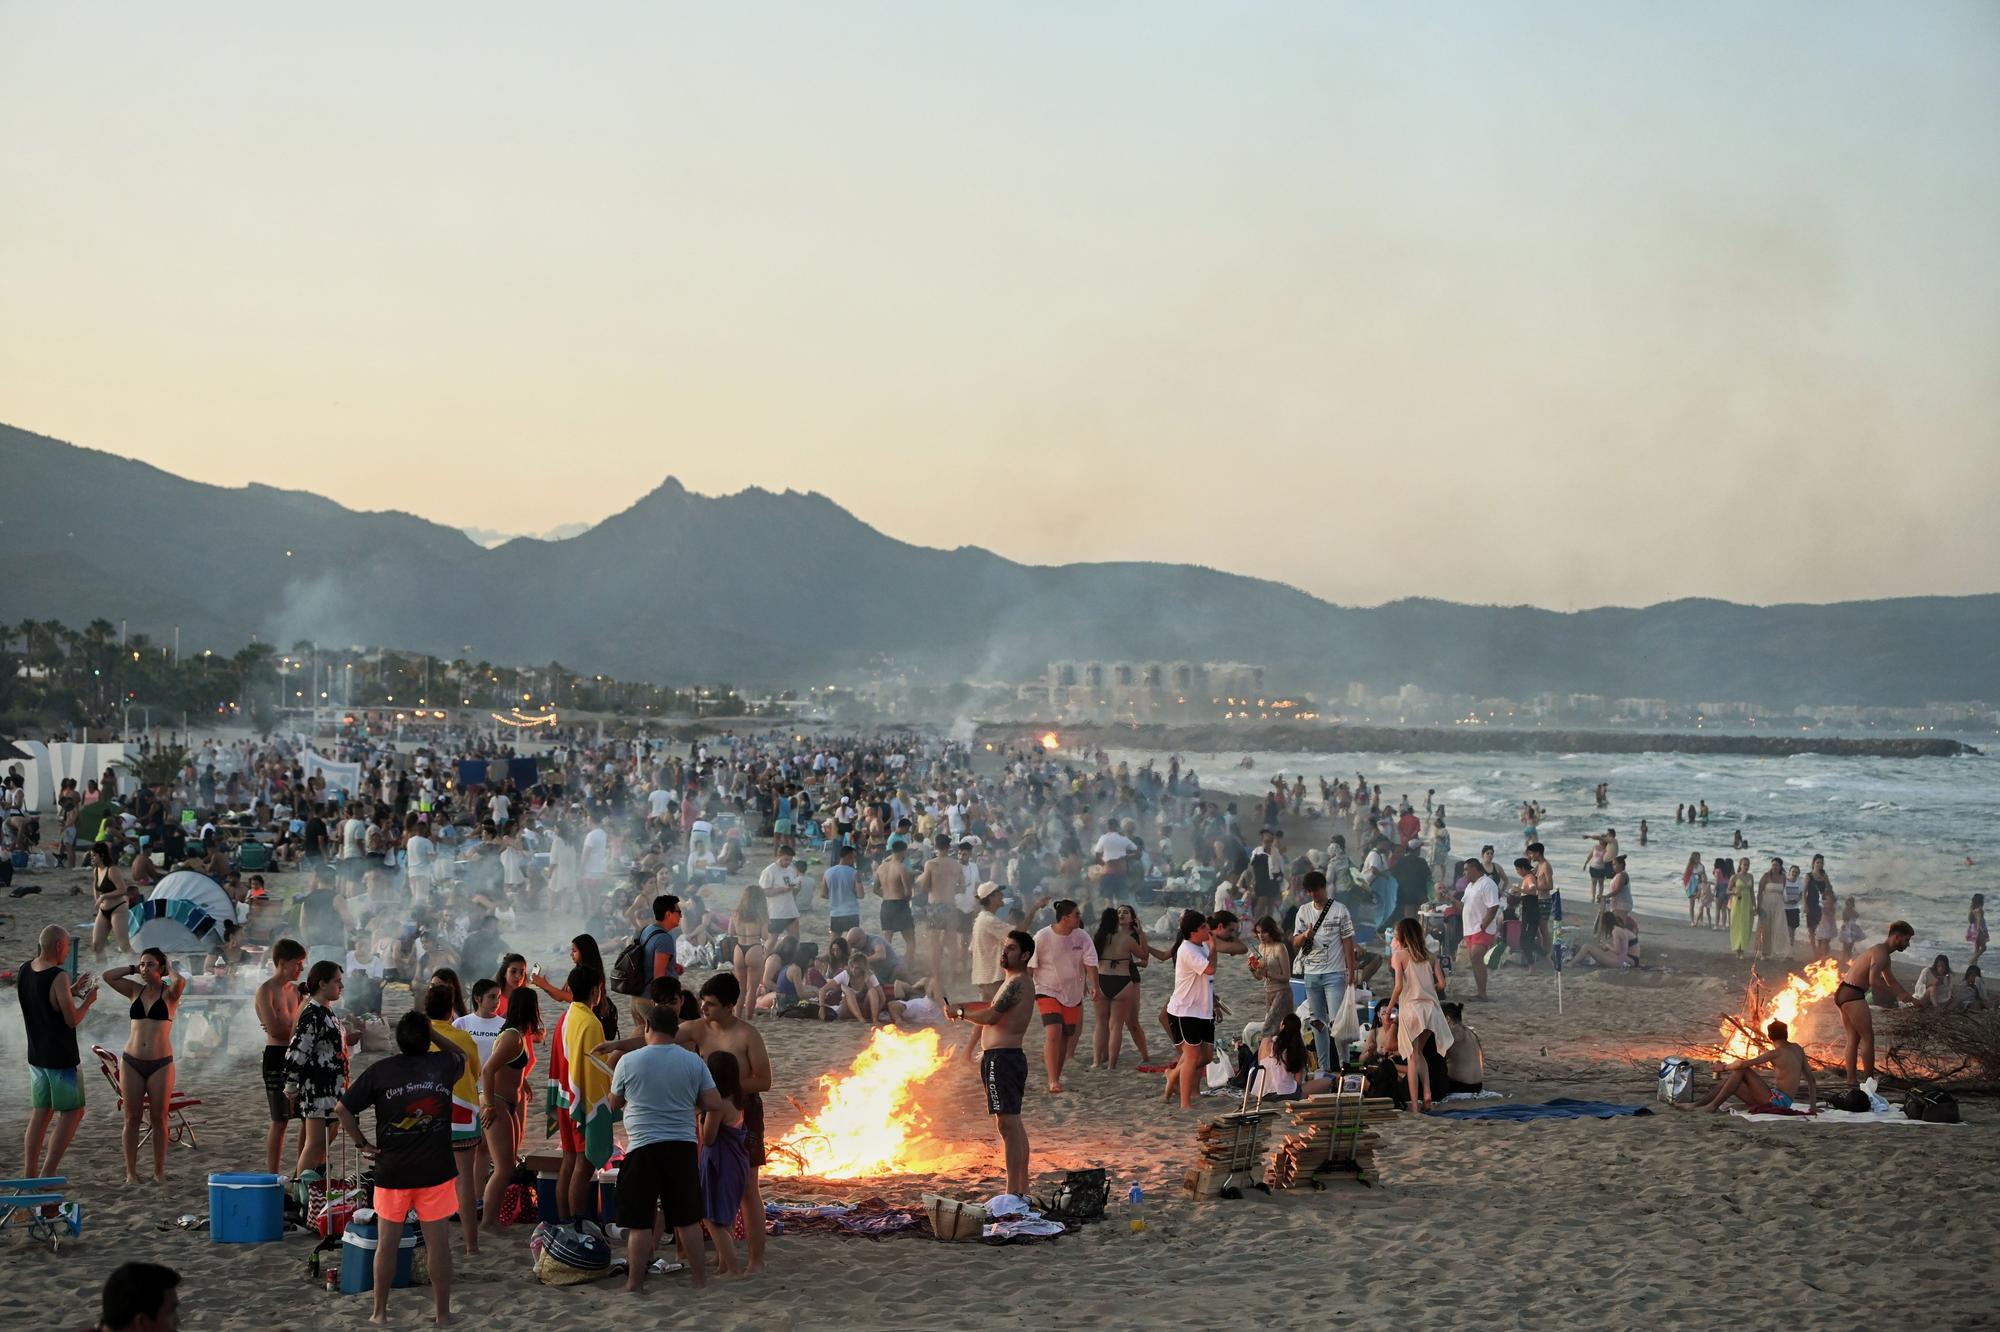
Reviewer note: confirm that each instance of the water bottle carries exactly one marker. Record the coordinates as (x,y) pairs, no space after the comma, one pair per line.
(1133,1198)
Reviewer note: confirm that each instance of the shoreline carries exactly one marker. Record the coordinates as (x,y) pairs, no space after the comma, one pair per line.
(1222,738)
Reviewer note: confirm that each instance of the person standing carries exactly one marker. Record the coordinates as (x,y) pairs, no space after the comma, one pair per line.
(941,881)
(1482,916)
(658,1088)
(1869,971)
(1191,1009)
(410,1092)
(720,1031)
(780,883)
(1324,943)
(840,885)
(1065,970)
(579,1084)
(1742,907)
(894,887)
(316,1063)
(146,1068)
(52,1010)
(1269,875)
(1003,1066)
(278,1001)
(1818,903)
(989,940)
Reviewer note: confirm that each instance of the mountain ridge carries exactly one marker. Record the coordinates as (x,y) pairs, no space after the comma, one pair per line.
(770,587)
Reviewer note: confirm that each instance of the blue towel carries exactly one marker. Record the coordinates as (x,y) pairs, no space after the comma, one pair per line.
(1560,1108)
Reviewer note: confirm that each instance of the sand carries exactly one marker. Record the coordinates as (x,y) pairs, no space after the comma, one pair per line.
(1664,1220)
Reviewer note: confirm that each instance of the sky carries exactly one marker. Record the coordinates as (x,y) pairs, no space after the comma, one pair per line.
(1559,304)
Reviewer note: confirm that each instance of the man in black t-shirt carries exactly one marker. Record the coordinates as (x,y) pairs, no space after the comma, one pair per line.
(414,1169)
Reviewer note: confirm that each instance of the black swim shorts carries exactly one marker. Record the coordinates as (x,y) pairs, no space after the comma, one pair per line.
(1191,1030)
(896,917)
(666,1175)
(274,1084)
(1005,1073)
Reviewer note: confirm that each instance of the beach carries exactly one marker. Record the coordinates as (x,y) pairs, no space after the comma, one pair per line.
(1668,1219)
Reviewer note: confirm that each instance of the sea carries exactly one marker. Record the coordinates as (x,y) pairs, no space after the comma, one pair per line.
(1910,838)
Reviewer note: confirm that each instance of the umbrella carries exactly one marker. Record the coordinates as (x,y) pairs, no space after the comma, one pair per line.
(185,914)
(90,819)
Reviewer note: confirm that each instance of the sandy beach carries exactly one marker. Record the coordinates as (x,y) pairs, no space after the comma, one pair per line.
(1663,1220)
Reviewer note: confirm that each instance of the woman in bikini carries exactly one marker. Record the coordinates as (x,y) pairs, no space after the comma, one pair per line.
(146,1069)
(503,1106)
(1119,957)
(112,897)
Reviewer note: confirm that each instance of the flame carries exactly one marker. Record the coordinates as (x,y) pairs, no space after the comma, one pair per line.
(1050,741)
(871,1123)
(1783,1004)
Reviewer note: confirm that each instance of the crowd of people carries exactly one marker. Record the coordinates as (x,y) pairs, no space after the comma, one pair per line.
(1044,883)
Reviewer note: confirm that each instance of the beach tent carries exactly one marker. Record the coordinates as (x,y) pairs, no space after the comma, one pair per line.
(185,914)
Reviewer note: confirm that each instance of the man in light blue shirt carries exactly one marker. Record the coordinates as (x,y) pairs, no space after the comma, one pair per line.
(659,1087)
(841,887)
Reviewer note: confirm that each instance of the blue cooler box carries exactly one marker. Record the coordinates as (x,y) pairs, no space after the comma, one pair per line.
(245,1208)
(357,1255)
(548,1207)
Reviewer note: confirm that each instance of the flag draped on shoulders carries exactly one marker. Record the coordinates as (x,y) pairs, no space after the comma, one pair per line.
(579,1084)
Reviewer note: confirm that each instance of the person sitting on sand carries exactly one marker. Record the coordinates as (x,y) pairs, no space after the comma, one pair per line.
(1870,971)
(1282,1056)
(1614,946)
(1934,984)
(1972,991)
(1465,1061)
(1789,1067)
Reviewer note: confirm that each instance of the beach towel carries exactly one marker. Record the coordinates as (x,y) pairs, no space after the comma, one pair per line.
(464,1092)
(581,1084)
(1562,1107)
(1771,1115)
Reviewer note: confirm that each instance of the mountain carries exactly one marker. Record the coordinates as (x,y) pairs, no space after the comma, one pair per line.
(489,538)
(788,588)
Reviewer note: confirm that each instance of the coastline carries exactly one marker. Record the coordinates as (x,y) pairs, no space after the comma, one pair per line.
(1340,738)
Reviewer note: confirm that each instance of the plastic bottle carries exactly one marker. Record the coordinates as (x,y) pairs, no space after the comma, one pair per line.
(1133,1199)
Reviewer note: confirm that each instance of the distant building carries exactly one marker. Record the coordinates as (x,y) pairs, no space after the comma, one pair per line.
(1143,689)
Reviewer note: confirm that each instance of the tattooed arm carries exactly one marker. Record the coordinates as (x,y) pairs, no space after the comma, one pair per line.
(1005,999)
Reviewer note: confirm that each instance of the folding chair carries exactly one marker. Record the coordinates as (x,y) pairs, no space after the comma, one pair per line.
(180,1128)
(32,1198)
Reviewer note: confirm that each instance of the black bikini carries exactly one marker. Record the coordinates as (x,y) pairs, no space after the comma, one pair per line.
(1849,993)
(157,1013)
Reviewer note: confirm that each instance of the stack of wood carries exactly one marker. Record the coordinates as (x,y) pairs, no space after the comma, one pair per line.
(1227,1145)
(1334,1130)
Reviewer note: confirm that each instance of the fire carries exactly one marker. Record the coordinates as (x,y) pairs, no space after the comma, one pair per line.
(871,1123)
(1050,740)
(1784,1004)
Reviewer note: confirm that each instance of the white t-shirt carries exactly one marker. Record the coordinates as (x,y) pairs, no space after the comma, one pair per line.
(1480,898)
(1113,847)
(657,802)
(596,853)
(513,867)
(353,839)
(1194,989)
(781,885)
(1059,964)
(1327,956)
(501,807)
(420,853)
(483,1031)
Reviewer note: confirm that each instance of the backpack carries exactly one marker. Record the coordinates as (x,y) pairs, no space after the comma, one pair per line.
(1853,1100)
(1931,1106)
(570,1257)
(628,973)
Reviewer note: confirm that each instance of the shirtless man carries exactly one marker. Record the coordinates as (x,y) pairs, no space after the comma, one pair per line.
(719,1028)
(942,880)
(1789,1067)
(278,1003)
(1870,971)
(893,886)
(1003,1065)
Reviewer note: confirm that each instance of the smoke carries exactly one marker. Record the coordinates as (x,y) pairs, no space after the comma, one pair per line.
(324,609)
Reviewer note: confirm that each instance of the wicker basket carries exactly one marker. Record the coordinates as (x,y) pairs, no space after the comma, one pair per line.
(954,1220)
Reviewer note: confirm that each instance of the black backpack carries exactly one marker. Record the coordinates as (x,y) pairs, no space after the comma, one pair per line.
(1931,1106)
(628,973)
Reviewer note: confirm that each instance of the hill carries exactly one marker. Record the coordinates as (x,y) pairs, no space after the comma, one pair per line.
(767,587)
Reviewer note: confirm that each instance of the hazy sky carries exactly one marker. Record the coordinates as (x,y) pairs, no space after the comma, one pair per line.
(1556,303)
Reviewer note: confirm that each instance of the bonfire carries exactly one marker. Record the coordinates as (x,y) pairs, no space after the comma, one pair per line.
(870,1123)
(1051,741)
(1743,1035)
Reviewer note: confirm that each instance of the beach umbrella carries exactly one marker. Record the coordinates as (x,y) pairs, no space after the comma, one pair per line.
(185,914)
(90,819)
